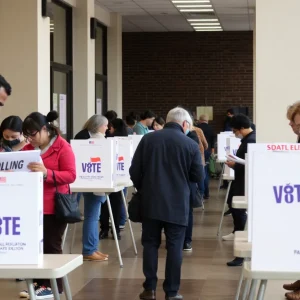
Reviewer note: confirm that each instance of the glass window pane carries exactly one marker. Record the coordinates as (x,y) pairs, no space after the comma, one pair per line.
(58,26)
(60,100)
(99,97)
(99,51)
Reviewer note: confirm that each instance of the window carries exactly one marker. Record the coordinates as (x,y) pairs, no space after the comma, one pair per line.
(101,69)
(61,66)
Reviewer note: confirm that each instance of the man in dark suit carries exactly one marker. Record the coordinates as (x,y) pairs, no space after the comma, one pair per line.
(241,126)
(163,166)
(210,137)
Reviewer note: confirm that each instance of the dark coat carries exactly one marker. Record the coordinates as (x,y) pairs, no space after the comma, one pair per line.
(82,135)
(238,185)
(162,167)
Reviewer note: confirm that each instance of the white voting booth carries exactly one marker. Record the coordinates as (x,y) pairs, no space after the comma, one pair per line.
(21,219)
(222,145)
(232,145)
(273,171)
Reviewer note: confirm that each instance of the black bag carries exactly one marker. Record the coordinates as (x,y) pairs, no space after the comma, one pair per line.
(66,206)
(197,199)
(135,208)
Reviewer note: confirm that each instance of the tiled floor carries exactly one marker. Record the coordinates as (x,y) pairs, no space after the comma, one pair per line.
(205,275)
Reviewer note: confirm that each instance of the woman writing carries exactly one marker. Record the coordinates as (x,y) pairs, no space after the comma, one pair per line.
(58,163)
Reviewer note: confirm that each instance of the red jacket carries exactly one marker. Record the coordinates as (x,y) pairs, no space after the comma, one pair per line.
(60,158)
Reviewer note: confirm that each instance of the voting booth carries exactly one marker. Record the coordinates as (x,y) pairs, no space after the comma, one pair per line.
(222,145)
(135,141)
(21,218)
(232,145)
(95,163)
(273,173)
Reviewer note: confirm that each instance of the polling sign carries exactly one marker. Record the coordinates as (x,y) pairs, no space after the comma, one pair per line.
(21,218)
(18,161)
(275,212)
(94,163)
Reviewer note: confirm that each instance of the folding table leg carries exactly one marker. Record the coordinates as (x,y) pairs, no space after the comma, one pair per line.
(220,180)
(73,238)
(31,290)
(114,230)
(224,208)
(252,289)
(246,289)
(129,223)
(54,289)
(238,291)
(67,289)
(262,290)
(64,237)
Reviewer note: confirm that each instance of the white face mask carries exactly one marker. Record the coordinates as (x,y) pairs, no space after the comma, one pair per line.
(239,136)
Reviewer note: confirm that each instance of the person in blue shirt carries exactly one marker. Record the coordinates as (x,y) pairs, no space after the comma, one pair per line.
(142,127)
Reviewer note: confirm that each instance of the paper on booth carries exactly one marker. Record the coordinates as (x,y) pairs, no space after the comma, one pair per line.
(19,160)
(21,234)
(94,163)
(222,145)
(232,145)
(276,222)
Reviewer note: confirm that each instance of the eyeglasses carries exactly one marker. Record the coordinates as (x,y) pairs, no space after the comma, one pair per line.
(30,135)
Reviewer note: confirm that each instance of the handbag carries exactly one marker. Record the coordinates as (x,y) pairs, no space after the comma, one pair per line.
(135,208)
(197,199)
(66,206)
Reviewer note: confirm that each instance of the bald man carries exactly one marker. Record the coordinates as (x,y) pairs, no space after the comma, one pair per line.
(5,90)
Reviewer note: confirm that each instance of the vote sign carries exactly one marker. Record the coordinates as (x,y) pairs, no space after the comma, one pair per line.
(21,218)
(276,202)
(94,163)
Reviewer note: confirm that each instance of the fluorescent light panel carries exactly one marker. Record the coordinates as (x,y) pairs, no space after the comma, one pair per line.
(197,10)
(209,27)
(192,1)
(194,6)
(203,20)
(205,24)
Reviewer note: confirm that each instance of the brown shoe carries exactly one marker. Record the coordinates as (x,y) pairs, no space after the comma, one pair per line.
(94,257)
(148,295)
(293,286)
(102,254)
(293,295)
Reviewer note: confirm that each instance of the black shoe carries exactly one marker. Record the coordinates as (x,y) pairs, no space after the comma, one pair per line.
(20,279)
(148,295)
(227,213)
(237,262)
(187,247)
(206,197)
(103,235)
(177,297)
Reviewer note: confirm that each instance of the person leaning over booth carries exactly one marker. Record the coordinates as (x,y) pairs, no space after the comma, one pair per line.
(58,163)
(241,126)
(175,161)
(293,115)
(142,127)
(95,128)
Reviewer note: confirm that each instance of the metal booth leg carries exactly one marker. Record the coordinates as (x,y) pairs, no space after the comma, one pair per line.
(54,289)
(114,230)
(129,222)
(220,181)
(31,290)
(67,289)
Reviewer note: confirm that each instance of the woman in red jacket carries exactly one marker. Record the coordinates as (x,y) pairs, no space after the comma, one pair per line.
(58,157)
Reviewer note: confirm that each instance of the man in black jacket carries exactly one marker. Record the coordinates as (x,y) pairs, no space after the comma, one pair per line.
(241,126)
(163,165)
(210,137)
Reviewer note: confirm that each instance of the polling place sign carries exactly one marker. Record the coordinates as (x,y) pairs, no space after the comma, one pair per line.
(21,218)
(18,161)
(95,160)
(275,209)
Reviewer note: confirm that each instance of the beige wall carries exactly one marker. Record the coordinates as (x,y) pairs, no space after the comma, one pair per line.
(277,67)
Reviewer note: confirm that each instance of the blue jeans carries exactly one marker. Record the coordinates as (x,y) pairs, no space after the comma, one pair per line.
(78,196)
(123,216)
(90,233)
(206,181)
(189,228)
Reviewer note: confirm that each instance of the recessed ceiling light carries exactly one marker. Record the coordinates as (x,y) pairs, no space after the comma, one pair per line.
(209,27)
(192,1)
(203,20)
(196,10)
(209,30)
(203,24)
(194,6)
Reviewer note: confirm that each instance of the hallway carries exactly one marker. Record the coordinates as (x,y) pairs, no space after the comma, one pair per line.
(205,275)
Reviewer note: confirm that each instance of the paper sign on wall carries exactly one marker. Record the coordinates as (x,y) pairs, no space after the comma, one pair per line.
(276,222)
(94,163)
(19,160)
(99,106)
(21,235)
(63,113)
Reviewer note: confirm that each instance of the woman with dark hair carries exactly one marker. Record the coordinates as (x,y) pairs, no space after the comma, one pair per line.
(158,123)
(58,168)
(118,128)
(110,115)
(12,138)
